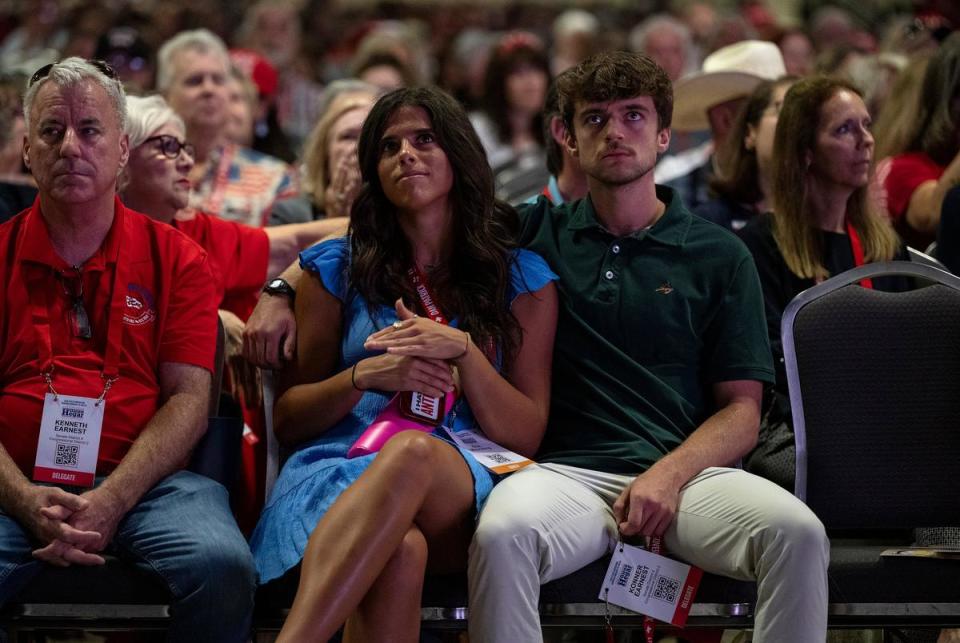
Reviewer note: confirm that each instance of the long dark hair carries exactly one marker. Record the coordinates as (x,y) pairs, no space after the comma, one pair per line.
(506,58)
(474,283)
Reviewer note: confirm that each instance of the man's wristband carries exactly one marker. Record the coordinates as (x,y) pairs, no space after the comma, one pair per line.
(280,288)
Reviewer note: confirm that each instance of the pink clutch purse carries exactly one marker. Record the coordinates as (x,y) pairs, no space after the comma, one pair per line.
(405,412)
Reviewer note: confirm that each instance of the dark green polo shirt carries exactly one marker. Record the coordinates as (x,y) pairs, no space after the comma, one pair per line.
(647,323)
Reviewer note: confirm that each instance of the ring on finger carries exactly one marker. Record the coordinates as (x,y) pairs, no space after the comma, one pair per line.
(397,325)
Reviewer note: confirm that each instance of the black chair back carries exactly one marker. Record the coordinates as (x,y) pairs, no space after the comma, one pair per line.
(875,390)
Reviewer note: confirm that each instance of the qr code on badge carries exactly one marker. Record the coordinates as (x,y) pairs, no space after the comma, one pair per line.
(499,459)
(67,455)
(666,589)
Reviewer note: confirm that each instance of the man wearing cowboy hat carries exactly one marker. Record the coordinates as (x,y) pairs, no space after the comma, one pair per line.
(710,99)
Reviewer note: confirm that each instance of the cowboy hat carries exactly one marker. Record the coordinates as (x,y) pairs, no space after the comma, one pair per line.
(728,73)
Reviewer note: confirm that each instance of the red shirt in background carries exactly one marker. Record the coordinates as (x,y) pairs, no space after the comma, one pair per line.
(238,258)
(169,315)
(901,178)
(906,173)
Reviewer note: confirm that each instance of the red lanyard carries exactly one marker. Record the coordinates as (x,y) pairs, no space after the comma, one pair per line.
(426,296)
(857,248)
(428,300)
(39,311)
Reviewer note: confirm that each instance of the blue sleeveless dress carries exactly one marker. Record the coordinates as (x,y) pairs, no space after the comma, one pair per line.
(318,471)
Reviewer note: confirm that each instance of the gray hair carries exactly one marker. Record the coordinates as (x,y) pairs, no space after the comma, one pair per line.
(575,21)
(202,41)
(72,72)
(147,114)
(657,22)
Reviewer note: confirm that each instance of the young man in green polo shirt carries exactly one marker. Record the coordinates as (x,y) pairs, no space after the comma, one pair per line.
(661,354)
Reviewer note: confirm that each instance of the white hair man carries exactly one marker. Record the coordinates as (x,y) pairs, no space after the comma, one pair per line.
(107,341)
(230,181)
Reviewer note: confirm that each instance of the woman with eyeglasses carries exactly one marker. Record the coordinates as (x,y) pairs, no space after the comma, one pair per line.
(155,182)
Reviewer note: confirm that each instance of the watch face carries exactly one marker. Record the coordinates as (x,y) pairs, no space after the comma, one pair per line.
(276,283)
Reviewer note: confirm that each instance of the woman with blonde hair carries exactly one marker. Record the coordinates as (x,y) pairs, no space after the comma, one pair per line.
(823,223)
(330,173)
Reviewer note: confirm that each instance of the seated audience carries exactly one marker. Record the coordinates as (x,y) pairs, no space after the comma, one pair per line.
(124,49)
(17,187)
(363,531)
(918,179)
(229,181)
(711,99)
(108,328)
(576,35)
(744,160)
(273,29)
(665,428)
(567,181)
(260,80)
(391,56)
(667,41)
(948,235)
(822,224)
(155,182)
(797,51)
(242,107)
(330,173)
(510,122)
(657,386)
(897,124)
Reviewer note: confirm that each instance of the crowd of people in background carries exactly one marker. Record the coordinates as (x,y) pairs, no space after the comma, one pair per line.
(822,135)
(287,56)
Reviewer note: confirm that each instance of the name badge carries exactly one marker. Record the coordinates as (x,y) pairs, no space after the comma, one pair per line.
(488,453)
(69,440)
(650,584)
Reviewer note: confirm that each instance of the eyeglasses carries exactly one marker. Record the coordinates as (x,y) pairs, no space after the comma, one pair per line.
(101,66)
(171,146)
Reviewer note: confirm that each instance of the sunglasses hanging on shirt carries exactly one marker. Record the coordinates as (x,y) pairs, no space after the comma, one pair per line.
(77,315)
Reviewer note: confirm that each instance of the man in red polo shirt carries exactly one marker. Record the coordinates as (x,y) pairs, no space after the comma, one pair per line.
(107,338)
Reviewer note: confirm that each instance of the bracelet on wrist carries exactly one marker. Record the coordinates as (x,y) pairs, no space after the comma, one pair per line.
(466,347)
(353,377)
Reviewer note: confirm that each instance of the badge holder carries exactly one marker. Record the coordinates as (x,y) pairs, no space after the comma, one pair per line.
(645,582)
(69,441)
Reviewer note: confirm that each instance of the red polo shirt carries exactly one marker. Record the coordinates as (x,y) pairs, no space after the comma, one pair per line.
(169,315)
(238,258)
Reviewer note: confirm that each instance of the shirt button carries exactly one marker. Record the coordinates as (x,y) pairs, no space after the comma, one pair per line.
(608,274)
(615,249)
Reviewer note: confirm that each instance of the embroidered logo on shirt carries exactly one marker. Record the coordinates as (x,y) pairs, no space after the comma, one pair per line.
(665,288)
(138,309)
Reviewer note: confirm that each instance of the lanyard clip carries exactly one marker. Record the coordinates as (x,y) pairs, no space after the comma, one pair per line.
(107,383)
(48,378)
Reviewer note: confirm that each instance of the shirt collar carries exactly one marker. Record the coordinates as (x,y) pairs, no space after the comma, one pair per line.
(671,229)
(35,245)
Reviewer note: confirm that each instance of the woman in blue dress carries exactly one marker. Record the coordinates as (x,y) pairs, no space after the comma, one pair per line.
(366,530)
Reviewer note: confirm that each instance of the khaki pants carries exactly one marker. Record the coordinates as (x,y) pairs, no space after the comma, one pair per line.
(547,521)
